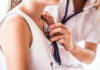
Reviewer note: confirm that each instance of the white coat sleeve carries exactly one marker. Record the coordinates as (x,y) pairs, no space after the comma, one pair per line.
(94,34)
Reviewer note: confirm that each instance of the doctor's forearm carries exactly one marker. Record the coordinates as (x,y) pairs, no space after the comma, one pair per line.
(83,55)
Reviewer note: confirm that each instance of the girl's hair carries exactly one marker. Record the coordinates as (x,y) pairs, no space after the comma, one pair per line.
(12,4)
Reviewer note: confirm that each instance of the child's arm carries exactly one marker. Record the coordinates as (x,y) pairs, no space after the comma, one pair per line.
(15,43)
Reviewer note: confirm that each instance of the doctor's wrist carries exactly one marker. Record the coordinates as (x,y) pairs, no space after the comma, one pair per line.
(73,47)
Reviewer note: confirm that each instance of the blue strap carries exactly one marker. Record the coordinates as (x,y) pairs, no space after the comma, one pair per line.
(66,11)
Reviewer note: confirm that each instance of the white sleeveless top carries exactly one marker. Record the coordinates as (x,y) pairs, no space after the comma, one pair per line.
(41,57)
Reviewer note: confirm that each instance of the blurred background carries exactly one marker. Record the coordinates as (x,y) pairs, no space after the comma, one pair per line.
(94,66)
(3,6)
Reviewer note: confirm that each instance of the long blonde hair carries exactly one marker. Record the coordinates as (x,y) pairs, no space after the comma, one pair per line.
(12,4)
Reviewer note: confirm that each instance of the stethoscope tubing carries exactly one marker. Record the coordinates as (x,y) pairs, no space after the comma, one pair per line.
(56,53)
(64,20)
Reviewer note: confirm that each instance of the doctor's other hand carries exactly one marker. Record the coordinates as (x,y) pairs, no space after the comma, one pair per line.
(62,35)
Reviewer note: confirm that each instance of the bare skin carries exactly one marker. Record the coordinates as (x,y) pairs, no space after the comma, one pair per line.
(78,4)
(86,54)
(16,37)
(15,42)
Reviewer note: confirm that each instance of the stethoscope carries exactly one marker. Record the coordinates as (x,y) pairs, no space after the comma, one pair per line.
(56,54)
(65,18)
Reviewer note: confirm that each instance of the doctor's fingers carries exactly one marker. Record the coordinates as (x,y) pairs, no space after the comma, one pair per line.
(62,42)
(56,38)
(59,30)
(59,38)
(57,25)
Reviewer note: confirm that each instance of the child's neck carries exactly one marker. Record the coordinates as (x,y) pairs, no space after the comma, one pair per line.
(79,4)
(33,10)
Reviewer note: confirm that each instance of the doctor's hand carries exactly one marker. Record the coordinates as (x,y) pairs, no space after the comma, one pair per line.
(62,35)
(58,32)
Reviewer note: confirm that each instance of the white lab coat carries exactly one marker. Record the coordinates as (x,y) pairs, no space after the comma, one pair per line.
(84,26)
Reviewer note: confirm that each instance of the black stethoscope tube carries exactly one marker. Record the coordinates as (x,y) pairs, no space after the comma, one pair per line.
(66,11)
(65,18)
(56,53)
(68,18)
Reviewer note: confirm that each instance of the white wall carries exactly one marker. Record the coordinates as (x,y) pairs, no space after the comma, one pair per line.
(96,64)
(3,6)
